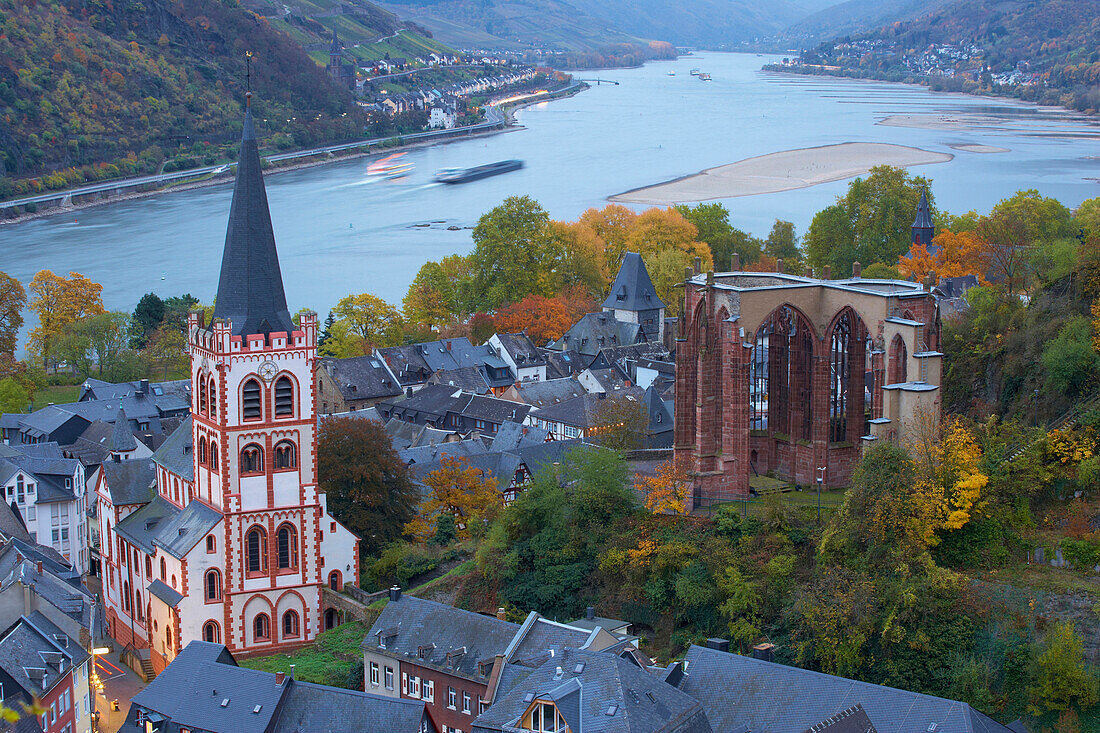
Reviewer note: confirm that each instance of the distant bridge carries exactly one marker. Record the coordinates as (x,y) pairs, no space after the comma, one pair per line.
(599,81)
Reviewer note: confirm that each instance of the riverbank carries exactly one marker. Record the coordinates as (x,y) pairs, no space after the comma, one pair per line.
(276,167)
(782,171)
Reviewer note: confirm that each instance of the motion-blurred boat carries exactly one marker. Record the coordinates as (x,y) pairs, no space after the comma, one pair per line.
(392,166)
(464,175)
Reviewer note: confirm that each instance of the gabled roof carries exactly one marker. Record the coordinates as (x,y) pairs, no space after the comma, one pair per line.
(37,655)
(521,349)
(512,435)
(435,635)
(564,363)
(583,412)
(50,584)
(632,289)
(595,331)
(176,454)
(250,289)
(161,590)
(597,692)
(362,377)
(131,482)
(310,708)
(469,379)
(160,523)
(141,527)
(765,696)
(549,392)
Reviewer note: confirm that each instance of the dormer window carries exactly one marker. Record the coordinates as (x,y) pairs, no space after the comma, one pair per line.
(544,717)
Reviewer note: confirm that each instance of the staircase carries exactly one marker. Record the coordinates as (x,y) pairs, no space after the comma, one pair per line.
(1067,421)
(147,669)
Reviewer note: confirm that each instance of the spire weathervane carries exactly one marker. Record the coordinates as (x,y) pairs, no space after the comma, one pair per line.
(248,78)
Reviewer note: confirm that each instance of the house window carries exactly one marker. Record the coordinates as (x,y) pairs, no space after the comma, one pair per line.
(543,717)
(374,673)
(286,455)
(163,570)
(256,547)
(415,687)
(290,625)
(452,698)
(261,628)
(18,489)
(429,691)
(252,459)
(389,678)
(210,544)
(211,632)
(284,397)
(404,683)
(286,540)
(251,403)
(213,585)
(466,702)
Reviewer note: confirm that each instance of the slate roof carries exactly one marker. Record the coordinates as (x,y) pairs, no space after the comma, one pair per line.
(522,350)
(632,289)
(490,409)
(122,440)
(362,377)
(161,590)
(429,404)
(537,457)
(924,213)
(52,560)
(608,380)
(11,523)
(660,418)
(564,363)
(93,446)
(162,524)
(29,645)
(51,584)
(97,389)
(435,453)
(595,331)
(589,686)
(142,527)
(250,289)
(414,363)
(310,708)
(131,482)
(627,357)
(549,392)
(177,453)
(469,379)
(410,624)
(48,466)
(775,698)
(583,412)
(512,435)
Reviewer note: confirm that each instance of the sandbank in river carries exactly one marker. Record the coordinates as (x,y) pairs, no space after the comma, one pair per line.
(783,171)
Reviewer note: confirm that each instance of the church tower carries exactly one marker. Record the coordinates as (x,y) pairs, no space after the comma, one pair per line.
(254,438)
(923,229)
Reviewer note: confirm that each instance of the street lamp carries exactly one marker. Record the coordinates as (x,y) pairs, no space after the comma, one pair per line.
(820,480)
(94,680)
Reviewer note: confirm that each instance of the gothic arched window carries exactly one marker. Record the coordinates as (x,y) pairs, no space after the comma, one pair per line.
(252,459)
(290,624)
(286,547)
(284,397)
(251,400)
(256,550)
(211,632)
(202,394)
(213,390)
(213,585)
(261,627)
(839,353)
(286,455)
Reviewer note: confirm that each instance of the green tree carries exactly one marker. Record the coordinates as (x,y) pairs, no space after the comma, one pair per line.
(176,309)
(830,240)
(1060,677)
(148,315)
(712,221)
(1070,361)
(366,482)
(431,297)
(782,243)
(370,318)
(13,398)
(99,345)
(512,252)
(620,423)
(13,299)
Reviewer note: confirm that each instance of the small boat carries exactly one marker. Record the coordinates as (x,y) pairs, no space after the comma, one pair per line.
(704,76)
(390,167)
(694,72)
(671,73)
(464,175)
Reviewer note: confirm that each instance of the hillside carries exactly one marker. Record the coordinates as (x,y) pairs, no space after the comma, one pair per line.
(858,16)
(115,88)
(367,31)
(1046,51)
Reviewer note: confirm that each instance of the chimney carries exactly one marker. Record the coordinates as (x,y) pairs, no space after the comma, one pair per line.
(279,677)
(395,593)
(143,387)
(590,613)
(735,262)
(501,614)
(697,265)
(448,343)
(722,645)
(292,671)
(764,652)
(827,273)
(857,270)
(779,265)
(687,273)
(710,278)
(929,280)
(809,271)
(40,566)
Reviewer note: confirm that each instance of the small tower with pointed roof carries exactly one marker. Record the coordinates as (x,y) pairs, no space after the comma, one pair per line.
(342,73)
(923,228)
(634,299)
(123,443)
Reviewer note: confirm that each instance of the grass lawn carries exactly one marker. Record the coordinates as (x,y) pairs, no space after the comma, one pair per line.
(326,661)
(59,395)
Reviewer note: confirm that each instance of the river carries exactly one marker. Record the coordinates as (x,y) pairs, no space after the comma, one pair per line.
(340,233)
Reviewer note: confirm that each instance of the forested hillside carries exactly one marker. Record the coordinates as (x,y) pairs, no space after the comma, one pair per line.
(93,89)
(858,16)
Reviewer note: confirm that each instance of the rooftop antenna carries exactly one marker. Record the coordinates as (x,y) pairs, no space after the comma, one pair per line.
(248,78)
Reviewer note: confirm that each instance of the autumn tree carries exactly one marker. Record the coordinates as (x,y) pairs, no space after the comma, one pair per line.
(1060,677)
(543,319)
(374,321)
(579,258)
(431,297)
(511,252)
(13,298)
(456,489)
(366,483)
(666,491)
(955,255)
(713,224)
(60,303)
(612,225)
(620,423)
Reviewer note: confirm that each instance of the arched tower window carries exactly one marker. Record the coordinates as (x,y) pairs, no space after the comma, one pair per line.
(202,451)
(290,625)
(251,400)
(211,632)
(213,455)
(213,585)
(202,394)
(284,397)
(213,390)
(252,459)
(256,549)
(286,455)
(163,569)
(286,547)
(261,627)
(899,361)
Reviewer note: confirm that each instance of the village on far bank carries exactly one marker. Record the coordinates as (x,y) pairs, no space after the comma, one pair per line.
(631,498)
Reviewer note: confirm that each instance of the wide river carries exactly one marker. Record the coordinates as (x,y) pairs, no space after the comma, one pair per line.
(340,233)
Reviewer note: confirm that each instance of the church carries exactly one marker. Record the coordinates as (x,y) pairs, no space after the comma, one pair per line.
(222,535)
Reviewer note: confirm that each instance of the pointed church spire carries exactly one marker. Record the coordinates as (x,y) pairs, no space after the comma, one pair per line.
(122,439)
(250,291)
(923,228)
(335,50)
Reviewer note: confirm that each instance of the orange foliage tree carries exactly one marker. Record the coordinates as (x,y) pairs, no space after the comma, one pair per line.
(461,491)
(544,319)
(956,254)
(666,491)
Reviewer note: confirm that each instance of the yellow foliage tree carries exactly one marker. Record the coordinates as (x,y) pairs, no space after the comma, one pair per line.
(666,491)
(956,255)
(460,490)
(59,303)
(957,459)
